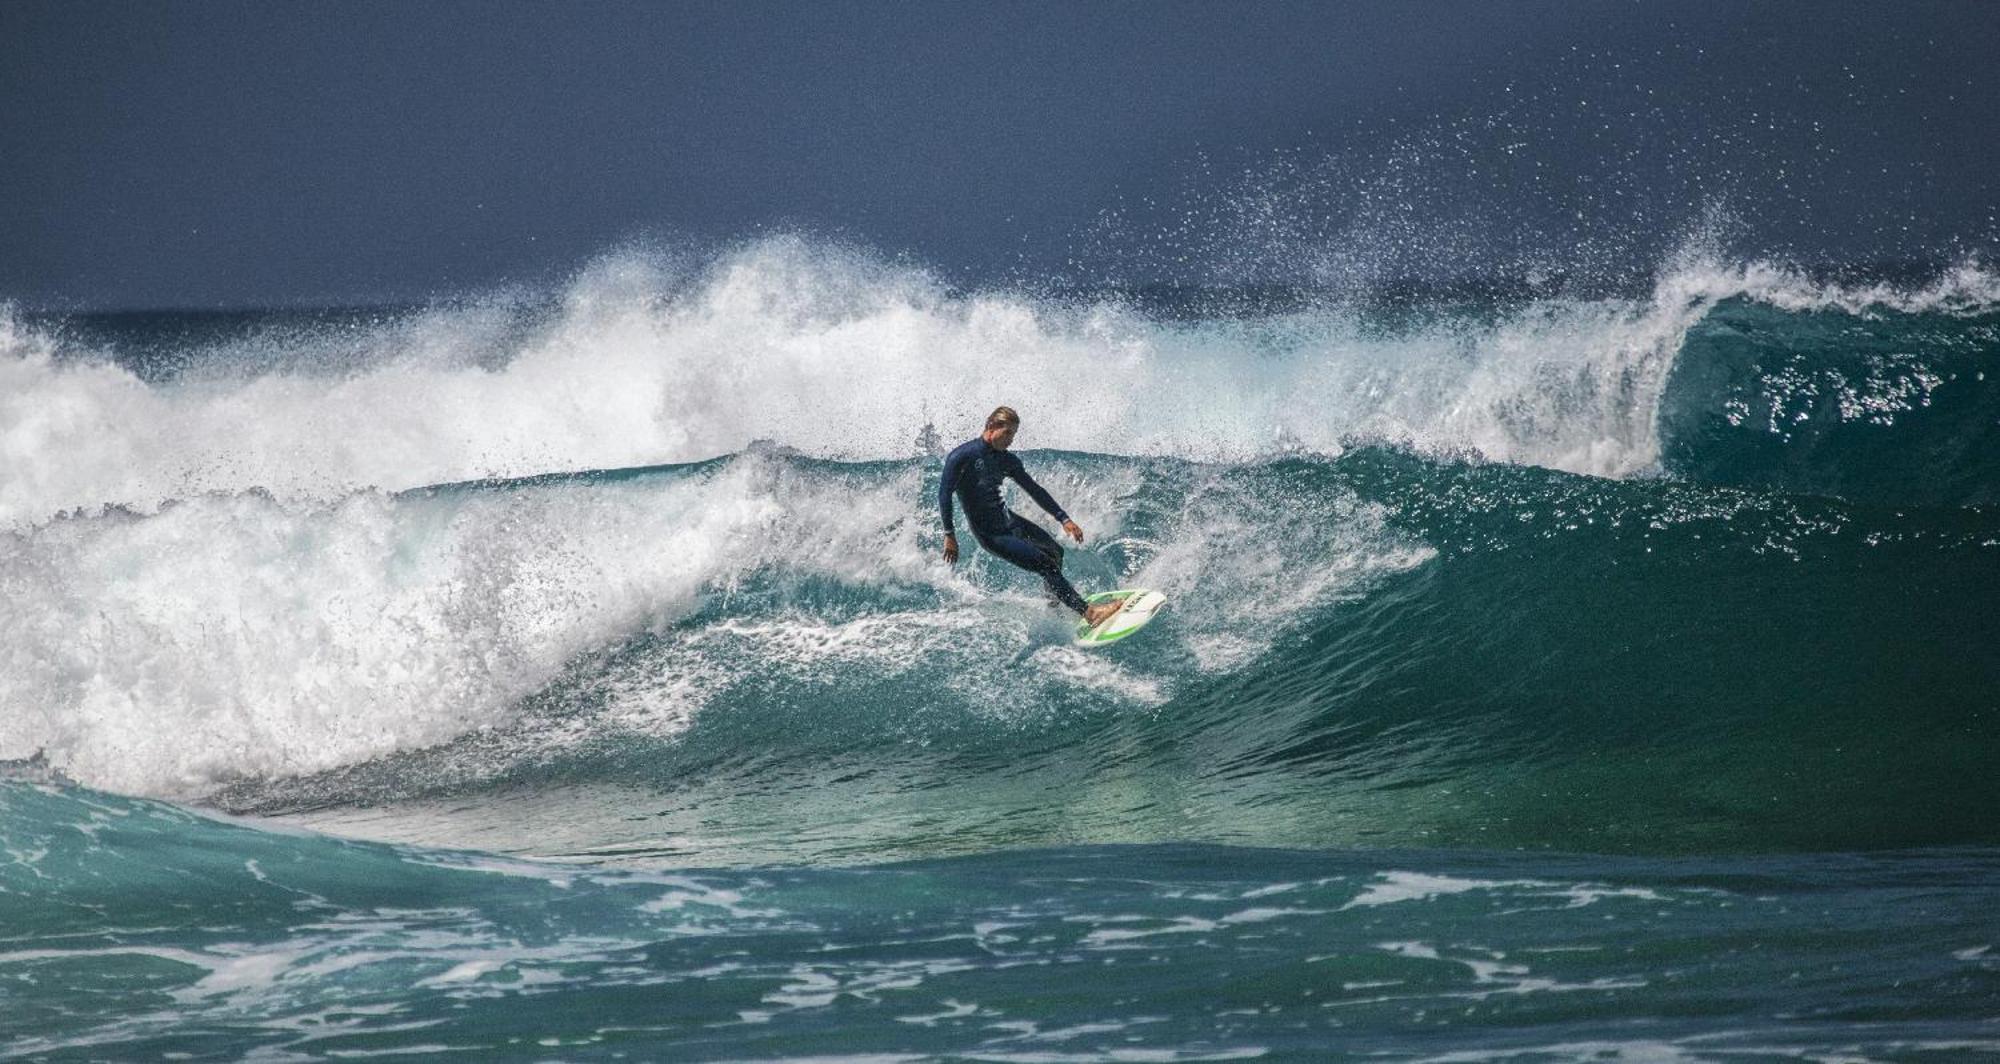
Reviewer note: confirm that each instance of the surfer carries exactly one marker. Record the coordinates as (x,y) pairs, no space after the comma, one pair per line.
(974,471)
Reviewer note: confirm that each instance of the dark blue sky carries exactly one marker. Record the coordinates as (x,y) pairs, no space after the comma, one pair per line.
(187,154)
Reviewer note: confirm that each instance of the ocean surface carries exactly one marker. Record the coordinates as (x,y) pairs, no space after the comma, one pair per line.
(1552,673)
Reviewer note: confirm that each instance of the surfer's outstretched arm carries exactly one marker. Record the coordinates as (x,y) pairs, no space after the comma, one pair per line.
(1042,498)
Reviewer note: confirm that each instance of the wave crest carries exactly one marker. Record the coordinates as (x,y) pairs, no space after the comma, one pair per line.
(643,360)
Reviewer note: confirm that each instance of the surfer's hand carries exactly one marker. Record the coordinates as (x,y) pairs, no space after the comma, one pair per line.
(950,549)
(1075,533)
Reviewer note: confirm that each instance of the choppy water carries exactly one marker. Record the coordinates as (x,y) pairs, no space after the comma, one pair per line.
(138,931)
(1547,675)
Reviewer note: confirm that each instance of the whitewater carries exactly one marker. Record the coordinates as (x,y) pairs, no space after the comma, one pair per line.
(827,350)
(1535,652)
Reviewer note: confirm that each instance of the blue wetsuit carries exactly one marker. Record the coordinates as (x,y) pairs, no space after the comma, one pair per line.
(974,471)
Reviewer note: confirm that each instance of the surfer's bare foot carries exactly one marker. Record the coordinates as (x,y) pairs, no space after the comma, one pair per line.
(1096,612)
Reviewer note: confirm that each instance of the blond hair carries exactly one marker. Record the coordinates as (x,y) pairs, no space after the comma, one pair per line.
(1001,417)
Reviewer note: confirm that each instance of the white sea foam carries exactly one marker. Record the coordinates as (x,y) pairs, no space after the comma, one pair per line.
(839,355)
(233,636)
(242,636)
(1966,289)
(1391,888)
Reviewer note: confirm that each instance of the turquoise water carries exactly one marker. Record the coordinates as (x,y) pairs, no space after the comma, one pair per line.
(1547,677)
(140,931)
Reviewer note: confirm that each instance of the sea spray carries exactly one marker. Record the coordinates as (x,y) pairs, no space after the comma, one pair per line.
(840,355)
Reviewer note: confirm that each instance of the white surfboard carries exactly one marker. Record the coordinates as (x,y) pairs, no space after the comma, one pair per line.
(1139,607)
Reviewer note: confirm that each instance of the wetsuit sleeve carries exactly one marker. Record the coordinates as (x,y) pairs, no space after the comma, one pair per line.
(954,467)
(1035,491)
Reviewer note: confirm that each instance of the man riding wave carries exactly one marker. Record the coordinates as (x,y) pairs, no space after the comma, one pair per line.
(974,471)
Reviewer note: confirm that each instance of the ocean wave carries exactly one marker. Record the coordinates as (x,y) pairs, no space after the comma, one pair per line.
(239,636)
(1885,407)
(644,361)
(1378,647)
(1496,572)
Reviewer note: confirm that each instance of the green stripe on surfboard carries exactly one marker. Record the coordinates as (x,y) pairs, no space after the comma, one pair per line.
(1122,624)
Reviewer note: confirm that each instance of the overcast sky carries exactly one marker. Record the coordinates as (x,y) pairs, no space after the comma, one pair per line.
(242,154)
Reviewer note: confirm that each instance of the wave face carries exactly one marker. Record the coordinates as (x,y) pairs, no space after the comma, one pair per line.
(1887,407)
(1430,654)
(1379,648)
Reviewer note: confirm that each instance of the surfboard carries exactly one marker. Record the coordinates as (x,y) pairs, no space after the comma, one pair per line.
(1139,609)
